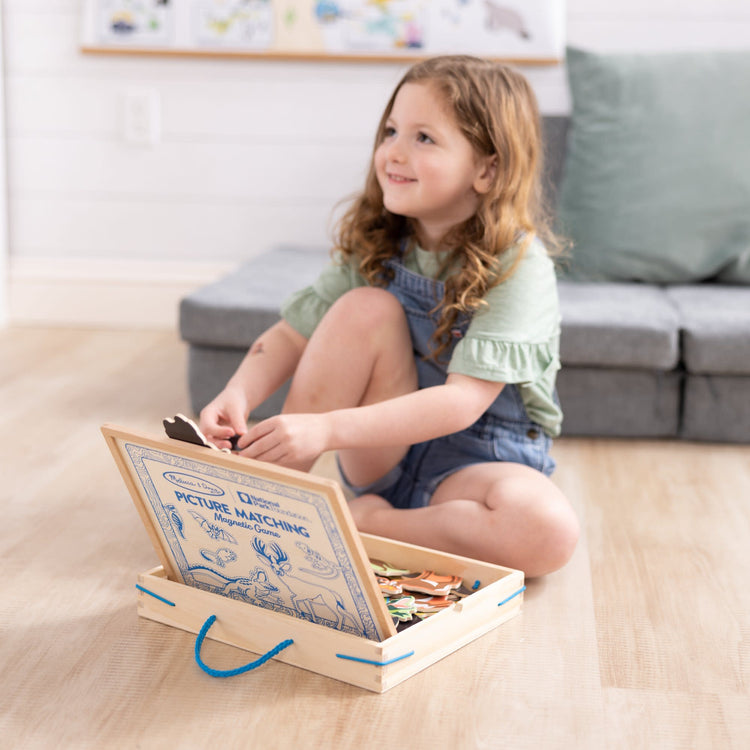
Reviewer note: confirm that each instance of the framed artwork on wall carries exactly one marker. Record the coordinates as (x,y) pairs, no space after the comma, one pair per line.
(522,31)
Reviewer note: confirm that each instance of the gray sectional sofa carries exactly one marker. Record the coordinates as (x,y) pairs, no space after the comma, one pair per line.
(647,360)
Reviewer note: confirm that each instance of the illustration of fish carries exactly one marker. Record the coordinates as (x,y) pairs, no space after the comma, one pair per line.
(322,566)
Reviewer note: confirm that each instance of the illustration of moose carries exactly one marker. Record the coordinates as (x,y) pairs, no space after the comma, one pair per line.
(312,601)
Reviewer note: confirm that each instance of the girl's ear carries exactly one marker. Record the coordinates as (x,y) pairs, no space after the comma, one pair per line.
(486,174)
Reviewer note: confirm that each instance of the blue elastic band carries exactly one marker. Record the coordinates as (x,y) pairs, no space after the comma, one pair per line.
(376,663)
(156,596)
(512,596)
(239,670)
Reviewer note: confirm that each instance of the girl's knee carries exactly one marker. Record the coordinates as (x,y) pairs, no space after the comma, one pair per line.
(559,531)
(547,532)
(369,306)
(563,539)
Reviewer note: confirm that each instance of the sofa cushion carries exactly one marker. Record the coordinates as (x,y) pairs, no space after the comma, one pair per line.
(619,402)
(715,323)
(236,309)
(617,325)
(716,408)
(656,184)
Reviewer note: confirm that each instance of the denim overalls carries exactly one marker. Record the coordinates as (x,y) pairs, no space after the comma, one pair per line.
(503,433)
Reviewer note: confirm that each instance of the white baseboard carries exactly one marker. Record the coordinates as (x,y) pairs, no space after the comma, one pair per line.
(103,293)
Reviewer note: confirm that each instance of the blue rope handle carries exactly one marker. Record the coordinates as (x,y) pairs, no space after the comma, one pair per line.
(239,670)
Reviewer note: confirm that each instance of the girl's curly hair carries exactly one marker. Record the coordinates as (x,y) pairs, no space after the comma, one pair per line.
(496,110)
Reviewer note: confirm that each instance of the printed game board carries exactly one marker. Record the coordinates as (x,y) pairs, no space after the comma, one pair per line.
(271,537)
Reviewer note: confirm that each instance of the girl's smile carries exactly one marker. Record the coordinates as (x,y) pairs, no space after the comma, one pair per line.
(398,179)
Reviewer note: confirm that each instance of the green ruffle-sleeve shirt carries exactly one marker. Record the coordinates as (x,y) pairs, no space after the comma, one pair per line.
(514,338)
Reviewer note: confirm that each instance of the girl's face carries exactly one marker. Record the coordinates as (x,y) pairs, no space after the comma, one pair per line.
(426,167)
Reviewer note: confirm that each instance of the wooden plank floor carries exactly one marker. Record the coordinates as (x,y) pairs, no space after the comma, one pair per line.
(642,641)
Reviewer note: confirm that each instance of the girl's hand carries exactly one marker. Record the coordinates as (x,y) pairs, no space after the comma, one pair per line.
(225,417)
(292,440)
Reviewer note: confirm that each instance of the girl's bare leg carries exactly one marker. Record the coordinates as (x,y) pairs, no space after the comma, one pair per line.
(360,353)
(504,513)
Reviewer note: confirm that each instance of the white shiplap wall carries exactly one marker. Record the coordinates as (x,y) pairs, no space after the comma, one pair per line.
(250,154)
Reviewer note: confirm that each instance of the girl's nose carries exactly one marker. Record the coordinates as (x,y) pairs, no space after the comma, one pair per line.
(394,150)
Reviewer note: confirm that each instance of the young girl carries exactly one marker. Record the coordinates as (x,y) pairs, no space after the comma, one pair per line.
(426,352)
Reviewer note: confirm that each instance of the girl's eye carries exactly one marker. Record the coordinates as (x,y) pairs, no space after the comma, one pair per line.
(389,131)
(424,138)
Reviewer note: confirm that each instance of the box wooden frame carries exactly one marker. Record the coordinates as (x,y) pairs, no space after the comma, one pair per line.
(366,663)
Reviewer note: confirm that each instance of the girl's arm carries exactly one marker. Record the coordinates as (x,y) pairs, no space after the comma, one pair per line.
(271,360)
(405,420)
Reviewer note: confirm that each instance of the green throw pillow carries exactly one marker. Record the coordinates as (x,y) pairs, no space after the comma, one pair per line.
(656,186)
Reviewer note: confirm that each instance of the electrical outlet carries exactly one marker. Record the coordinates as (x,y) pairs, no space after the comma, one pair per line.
(142,117)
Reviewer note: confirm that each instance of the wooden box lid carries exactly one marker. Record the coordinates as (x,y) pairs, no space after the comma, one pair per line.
(272,537)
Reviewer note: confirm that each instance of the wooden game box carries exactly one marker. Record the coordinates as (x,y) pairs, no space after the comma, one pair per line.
(268,559)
